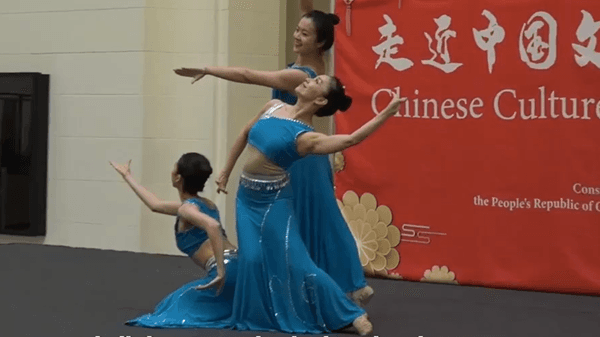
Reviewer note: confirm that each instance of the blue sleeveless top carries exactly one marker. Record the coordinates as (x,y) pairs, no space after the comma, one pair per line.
(286,96)
(188,241)
(275,137)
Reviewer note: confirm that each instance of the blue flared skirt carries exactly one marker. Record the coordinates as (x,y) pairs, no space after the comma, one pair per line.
(190,308)
(321,223)
(279,287)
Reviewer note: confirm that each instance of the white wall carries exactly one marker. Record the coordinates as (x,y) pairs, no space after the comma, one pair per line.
(93,51)
(114,97)
(178,117)
(256,41)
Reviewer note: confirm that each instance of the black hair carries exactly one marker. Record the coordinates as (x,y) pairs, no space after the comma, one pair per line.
(324,23)
(195,169)
(336,99)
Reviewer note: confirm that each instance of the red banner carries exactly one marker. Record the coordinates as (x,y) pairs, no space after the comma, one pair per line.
(490,173)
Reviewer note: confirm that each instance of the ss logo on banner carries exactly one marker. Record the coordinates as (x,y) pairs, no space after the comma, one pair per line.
(417,234)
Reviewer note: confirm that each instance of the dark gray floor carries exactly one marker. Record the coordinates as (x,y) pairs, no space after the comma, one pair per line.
(48,291)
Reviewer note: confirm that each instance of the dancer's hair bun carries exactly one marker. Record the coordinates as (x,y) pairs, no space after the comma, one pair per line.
(346,102)
(333,18)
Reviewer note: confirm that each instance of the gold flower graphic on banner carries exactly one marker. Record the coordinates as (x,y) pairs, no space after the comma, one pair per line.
(373,232)
(338,162)
(439,275)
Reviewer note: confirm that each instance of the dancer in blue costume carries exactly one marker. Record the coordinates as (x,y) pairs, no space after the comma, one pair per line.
(199,235)
(279,287)
(321,223)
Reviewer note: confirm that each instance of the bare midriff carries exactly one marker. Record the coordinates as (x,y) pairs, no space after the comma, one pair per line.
(259,164)
(205,252)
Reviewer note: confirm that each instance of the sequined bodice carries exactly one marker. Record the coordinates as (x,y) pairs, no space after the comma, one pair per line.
(189,240)
(275,137)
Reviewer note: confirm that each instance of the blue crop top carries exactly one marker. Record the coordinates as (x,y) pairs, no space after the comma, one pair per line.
(275,137)
(286,96)
(190,240)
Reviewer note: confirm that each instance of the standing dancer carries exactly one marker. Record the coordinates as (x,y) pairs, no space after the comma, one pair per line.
(200,236)
(279,287)
(321,223)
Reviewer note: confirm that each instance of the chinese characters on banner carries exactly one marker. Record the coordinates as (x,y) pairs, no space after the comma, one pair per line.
(486,39)
(587,32)
(387,48)
(490,168)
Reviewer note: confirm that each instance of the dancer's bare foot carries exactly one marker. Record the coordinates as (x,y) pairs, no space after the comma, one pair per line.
(363,325)
(362,296)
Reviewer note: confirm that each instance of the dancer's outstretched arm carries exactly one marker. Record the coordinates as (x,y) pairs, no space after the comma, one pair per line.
(154,203)
(306,6)
(192,215)
(238,148)
(318,143)
(286,79)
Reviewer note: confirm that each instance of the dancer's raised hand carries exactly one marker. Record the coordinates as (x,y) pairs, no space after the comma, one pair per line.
(394,105)
(218,282)
(195,73)
(124,170)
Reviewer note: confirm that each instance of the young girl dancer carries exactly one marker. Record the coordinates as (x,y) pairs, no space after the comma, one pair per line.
(199,235)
